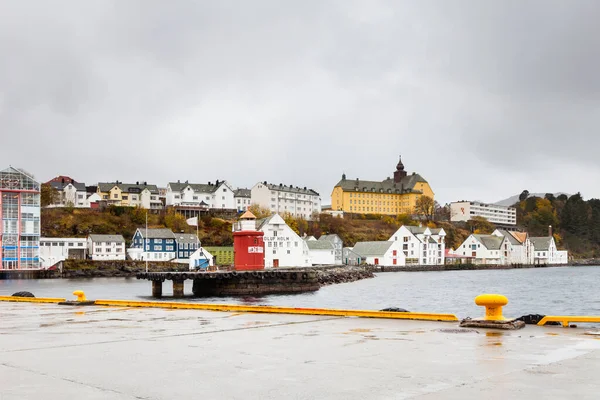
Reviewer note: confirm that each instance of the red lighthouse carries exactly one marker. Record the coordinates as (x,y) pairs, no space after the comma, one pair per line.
(248,244)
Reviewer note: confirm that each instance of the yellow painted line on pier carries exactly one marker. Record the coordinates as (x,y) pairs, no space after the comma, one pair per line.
(280,310)
(30,299)
(566,319)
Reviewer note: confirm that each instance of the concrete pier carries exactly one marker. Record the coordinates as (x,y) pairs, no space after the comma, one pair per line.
(94,352)
(178,288)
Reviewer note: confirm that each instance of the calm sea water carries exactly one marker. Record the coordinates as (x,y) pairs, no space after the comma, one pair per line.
(551,291)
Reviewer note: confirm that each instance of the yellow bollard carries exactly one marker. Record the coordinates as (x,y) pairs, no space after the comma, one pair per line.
(80,295)
(493,304)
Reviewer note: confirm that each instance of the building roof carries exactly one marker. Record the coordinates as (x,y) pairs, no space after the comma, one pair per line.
(520,236)
(248,215)
(80,187)
(541,243)
(310,238)
(406,185)
(415,230)
(162,233)
(491,242)
(209,187)
(127,187)
(264,221)
(329,237)
(62,178)
(184,237)
(367,249)
(290,189)
(512,239)
(106,238)
(319,245)
(242,193)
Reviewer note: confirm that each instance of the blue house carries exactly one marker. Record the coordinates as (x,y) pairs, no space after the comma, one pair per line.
(187,244)
(158,245)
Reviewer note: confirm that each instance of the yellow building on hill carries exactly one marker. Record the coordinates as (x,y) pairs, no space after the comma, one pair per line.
(392,196)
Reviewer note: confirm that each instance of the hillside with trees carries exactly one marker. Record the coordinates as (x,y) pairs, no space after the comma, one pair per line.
(575,223)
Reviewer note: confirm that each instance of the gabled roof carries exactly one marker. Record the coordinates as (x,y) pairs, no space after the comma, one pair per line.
(264,221)
(406,185)
(184,238)
(415,230)
(513,240)
(80,187)
(319,245)
(520,236)
(126,187)
(329,237)
(197,187)
(162,233)
(367,249)
(106,238)
(290,189)
(242,193)
(491,242)
(541,243)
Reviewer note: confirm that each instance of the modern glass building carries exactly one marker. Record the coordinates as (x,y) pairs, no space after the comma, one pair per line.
(20,216)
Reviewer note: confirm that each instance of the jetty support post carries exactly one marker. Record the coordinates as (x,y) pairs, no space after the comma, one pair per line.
(177,288)
(157,288)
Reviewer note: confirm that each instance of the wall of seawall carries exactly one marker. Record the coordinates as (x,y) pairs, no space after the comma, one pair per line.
(261,282)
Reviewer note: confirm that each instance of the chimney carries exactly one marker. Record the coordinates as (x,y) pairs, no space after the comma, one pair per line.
(137,182)
(63,181)
(550,230)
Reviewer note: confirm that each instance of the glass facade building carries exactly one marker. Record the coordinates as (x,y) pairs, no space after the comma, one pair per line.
(20,217)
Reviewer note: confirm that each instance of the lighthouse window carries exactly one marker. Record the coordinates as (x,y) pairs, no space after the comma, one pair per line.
(255,241)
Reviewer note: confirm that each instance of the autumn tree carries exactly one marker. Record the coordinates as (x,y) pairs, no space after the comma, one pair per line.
(481,225)
(175,221)
(425,208)
(48,195)
(258,211)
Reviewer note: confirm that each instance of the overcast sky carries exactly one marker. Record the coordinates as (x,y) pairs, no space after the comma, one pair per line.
(482,98)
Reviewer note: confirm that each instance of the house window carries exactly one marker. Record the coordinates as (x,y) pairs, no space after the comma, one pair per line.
(195,197)
(224,190)
(157,248)
(157,240)
(181,254)
(288,252)
(275,233)
(269,244)
(274,251)
(296,243)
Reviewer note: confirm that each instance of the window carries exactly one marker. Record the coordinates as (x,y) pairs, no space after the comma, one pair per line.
(157,240)
(275,233)
(269,244)
(108,250)
(288,252)
(222,197)
(181,254)
(71,245)
(115,196)
(224,190)
(296,243)
(274,244)
(195,197)
(157,248)
(274,251)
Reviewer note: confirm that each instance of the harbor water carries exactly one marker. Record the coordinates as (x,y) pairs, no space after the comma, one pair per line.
(550,291)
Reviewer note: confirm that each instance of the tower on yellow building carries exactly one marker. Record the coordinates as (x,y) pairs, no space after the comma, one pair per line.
(392,196)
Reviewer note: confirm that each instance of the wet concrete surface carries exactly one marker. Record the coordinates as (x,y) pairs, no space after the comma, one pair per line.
(58,352)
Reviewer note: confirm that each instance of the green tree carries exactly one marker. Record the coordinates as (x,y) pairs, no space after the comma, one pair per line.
(575,216)
(175,221)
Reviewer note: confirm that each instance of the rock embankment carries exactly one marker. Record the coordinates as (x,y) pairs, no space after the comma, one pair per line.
(330,276)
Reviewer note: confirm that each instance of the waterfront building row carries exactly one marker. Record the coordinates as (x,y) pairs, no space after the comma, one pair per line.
(217,195)
(510,248)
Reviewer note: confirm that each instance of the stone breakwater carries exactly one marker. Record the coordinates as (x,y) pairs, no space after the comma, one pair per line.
(330,276)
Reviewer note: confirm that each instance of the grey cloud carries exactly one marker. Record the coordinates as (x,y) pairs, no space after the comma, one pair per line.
(482,98)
